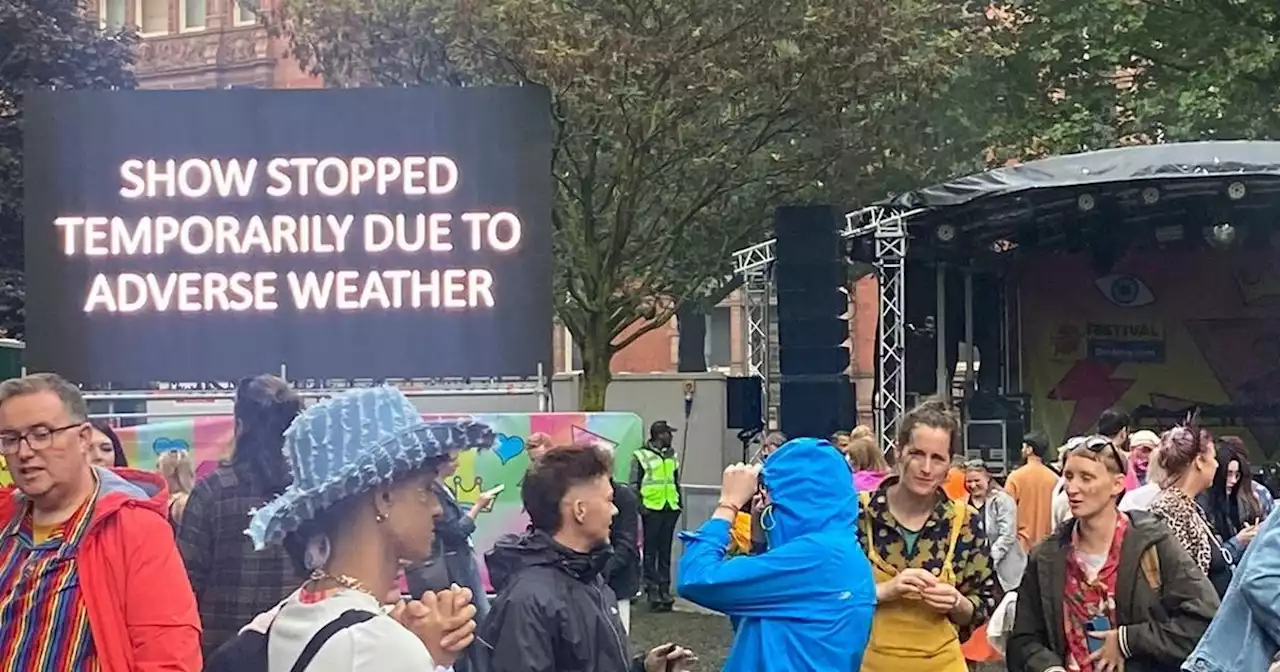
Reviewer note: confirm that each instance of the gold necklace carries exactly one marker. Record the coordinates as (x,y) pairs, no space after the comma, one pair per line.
(342,580)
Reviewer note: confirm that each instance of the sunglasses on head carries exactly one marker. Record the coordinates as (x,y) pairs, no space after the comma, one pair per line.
(1096,444)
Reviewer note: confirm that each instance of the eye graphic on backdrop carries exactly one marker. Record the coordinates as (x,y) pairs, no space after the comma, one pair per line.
(1124,290)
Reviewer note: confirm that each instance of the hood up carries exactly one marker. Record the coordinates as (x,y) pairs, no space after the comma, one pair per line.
(810,486)
(513,553)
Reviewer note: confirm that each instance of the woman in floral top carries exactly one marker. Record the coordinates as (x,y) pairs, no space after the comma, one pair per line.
(1107,592)
(1189,460)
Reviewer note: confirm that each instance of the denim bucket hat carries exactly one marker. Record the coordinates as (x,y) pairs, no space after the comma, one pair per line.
(349,444)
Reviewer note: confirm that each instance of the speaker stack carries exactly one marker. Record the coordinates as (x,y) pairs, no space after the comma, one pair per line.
(813,324)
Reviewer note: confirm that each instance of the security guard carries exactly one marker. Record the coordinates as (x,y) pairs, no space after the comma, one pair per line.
(655,475)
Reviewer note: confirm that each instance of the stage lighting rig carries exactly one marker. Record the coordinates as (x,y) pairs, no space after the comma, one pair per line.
(1236,191)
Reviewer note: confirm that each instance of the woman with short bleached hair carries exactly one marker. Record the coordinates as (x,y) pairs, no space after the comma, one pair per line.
(1107,591)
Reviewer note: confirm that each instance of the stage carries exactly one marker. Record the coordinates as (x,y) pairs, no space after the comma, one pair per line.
(1143,278)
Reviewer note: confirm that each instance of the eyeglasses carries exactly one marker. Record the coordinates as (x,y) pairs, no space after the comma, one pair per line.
(39,438)
(1096,444)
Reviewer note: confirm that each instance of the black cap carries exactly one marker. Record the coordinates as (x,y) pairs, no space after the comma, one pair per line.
(660,427)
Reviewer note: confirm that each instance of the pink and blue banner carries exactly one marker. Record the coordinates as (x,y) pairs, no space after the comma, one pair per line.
(210,439)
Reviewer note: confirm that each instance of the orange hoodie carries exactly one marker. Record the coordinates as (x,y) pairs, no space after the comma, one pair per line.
(141,609)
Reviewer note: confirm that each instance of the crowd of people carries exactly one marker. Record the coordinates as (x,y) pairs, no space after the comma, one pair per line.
(328,541)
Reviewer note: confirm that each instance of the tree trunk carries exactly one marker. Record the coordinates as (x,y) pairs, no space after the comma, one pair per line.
(596,376)
(691,344)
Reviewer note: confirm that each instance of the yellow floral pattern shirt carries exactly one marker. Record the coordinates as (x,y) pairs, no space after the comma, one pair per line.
(975,574)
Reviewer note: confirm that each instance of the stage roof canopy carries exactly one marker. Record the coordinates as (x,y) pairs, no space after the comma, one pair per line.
(1123,193)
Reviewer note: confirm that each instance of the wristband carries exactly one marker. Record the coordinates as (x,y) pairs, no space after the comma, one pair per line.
(733,508)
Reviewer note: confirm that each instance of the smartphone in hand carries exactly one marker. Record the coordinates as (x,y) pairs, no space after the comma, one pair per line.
(1096,624)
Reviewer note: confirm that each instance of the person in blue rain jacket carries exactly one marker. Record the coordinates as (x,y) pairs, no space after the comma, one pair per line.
(806,603)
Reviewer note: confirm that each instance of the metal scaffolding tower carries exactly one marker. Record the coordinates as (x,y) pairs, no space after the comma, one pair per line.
(755,264)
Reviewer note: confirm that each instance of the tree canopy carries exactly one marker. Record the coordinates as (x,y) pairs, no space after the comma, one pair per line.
(1079,76)
(678,125)
(43,44)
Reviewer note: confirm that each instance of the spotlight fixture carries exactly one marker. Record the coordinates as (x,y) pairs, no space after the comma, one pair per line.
(1221,236)
(946,233)
(1086,202)
(1236,191)
(1150,196)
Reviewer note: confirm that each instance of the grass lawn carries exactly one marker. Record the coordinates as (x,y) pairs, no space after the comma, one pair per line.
(708,635)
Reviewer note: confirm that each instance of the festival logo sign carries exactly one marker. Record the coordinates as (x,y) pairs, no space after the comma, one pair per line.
(358,233)
(1166,330)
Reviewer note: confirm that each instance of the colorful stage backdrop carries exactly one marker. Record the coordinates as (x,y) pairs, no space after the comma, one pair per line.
(210,440)
(1163,329)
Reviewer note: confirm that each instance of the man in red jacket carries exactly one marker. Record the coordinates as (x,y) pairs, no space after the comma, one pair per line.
(90,577)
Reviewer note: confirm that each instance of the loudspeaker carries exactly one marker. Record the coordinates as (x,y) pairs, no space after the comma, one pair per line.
(744,402)
(816,408)
(809,275)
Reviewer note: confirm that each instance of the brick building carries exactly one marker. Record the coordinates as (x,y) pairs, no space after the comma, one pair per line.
(656,351)
(196,44)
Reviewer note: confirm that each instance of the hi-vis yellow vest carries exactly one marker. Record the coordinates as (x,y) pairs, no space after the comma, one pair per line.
(658,490)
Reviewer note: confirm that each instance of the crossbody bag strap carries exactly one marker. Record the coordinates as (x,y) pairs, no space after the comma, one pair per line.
(347,619)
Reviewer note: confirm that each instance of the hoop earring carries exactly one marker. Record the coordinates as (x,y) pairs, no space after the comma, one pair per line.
(317,552)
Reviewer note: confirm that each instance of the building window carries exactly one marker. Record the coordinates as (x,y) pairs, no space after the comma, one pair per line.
(153,17)
(572,354)
(193,14)
(111,14)
(720,338)
(245,12)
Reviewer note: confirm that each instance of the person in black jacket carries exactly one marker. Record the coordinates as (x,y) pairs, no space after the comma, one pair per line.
(622,572)
(554,612)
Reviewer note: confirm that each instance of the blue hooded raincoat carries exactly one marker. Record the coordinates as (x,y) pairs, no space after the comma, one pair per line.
(806,604)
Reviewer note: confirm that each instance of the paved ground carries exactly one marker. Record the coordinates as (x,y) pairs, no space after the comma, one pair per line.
(707,634)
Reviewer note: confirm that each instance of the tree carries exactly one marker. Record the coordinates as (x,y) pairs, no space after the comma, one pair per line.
(1085,76)
(678,124)
(43,44)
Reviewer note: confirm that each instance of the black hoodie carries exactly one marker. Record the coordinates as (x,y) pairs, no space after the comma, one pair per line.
(553,612)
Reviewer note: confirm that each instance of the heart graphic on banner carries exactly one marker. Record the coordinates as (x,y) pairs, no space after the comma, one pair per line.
(507,447)
(165,444)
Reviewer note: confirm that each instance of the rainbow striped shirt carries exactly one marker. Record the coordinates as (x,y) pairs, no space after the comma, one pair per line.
(44,624)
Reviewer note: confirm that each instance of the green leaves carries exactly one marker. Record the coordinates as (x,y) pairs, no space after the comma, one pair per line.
(1100,74)
(43,44)
(679,125)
